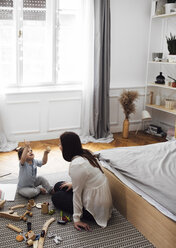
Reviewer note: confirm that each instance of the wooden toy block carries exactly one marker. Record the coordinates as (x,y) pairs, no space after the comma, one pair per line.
(32,202)
(15,228)
(23,217)
(17,206)
(45,208)
(35,244)
(29,206)
(2,203)
(30,242)
(31,235)
(10,214)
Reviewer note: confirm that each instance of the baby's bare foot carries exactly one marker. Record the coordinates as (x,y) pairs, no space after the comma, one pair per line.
(42,191)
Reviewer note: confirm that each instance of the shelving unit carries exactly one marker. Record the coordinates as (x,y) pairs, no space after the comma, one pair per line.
(160,27)
(162,108)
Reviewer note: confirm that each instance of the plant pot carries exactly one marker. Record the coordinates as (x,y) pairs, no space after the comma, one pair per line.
(171,44)
(125,128)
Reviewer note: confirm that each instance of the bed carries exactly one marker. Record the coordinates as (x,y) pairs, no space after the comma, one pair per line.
(154,217)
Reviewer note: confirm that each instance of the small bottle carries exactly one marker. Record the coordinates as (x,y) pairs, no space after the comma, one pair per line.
(151,97)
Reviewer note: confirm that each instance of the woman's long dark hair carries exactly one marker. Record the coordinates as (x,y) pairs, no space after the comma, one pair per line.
(71,147)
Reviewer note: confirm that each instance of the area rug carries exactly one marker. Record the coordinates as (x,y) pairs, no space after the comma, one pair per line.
(119,232)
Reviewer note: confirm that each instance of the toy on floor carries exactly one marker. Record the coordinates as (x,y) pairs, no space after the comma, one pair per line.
(38,205)
(51,212)
(57,239)
(15,228)
(32,203)
(62,220)
(19,238)
(10,214)
(17,206)
(45,208)
(2,203)
(23,217)
(44,231)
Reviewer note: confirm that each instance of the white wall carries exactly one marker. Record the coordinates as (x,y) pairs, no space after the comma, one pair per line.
(130,29)
(44,115)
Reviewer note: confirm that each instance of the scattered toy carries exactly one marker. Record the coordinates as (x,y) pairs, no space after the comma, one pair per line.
(57,239)
(15,228)
(38,205)
(35,244)
(19,238)
(45,208)
(51,235)
(32,202)
(51,212)
(62,220)
(23,217)
(2,203)
(10,214)
(17,206)
(45,228)
(29,206)
(28,226)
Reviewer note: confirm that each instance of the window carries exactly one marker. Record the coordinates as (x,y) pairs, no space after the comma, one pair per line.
(40,42)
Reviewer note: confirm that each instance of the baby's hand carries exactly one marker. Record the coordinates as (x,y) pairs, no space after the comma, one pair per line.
(48,149)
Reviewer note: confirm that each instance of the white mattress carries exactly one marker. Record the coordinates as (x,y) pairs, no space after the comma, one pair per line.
(131,185)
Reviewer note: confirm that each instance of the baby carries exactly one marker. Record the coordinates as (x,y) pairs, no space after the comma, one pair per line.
(29,185)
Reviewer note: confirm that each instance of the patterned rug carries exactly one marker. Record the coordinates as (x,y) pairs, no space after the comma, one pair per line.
(119,232)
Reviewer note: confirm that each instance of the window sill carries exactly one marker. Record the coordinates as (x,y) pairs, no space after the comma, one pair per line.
(43,89)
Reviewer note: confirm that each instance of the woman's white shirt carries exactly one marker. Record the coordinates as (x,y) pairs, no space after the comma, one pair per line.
(91,190)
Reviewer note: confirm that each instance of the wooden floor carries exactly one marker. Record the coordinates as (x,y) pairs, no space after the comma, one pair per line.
(9,161)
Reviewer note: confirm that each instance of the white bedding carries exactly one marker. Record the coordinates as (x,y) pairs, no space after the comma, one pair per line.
(149,170)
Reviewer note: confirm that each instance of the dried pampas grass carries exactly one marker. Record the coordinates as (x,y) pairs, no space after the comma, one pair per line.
(127,99)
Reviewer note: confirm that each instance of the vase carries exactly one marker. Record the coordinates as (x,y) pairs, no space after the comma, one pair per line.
(125,128)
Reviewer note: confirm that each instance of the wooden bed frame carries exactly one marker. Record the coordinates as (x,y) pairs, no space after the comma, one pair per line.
(156,227)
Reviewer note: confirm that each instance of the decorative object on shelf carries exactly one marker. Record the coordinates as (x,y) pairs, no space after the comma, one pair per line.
(160,7)
(151,97)
(169,103)
(158,100)
(173,83)
(160,79)
(127,99)
(169,6)
(145,117)
(157,57)
(171,44)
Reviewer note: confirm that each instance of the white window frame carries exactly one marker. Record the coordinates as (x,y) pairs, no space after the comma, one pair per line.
(18,22)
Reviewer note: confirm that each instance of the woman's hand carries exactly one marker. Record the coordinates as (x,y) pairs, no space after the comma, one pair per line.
(67,185)
(78,225)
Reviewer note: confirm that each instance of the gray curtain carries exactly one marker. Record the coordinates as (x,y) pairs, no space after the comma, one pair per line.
(101,68)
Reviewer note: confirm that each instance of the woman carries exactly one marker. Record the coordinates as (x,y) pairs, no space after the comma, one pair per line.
(88,195)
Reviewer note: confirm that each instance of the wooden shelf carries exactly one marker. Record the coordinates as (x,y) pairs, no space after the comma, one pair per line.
(164,15)
(162,108)
(162,63)
(160,86)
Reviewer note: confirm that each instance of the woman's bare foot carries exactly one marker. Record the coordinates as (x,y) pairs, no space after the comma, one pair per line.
(42,191)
